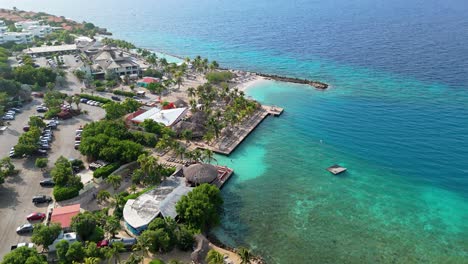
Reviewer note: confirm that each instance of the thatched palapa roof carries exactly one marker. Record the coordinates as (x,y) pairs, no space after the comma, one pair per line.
(200,173)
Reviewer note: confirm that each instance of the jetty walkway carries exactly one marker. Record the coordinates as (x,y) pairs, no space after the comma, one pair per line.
(226,144)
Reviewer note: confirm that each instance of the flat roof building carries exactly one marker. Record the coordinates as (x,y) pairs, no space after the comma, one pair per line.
(48,50)
(63,215)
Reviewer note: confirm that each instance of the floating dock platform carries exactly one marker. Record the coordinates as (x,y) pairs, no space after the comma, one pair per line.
(336,169)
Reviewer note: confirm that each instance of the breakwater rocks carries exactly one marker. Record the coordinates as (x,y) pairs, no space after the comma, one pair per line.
(316,84)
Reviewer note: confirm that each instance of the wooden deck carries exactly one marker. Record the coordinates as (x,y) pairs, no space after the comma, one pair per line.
(224,173)
(227,144)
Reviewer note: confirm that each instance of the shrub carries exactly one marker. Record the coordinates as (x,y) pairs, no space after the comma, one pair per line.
(145,139)
(41,162)
(97,235)
(100,89)
(96,98)
(156,261)
(77,163)
(219,77)
(124,93)
(105,171)
(53,112)
(65,193)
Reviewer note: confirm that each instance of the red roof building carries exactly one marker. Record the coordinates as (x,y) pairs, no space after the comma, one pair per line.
(63,215)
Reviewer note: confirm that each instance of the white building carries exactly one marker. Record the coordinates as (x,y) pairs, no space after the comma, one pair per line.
(167,117)
(17,37)
(26,24)
(2,23)
(39,31)
(35,28)
(113,60)
(3,29)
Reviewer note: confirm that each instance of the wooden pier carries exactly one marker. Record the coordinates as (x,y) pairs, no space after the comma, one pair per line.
(227,144)
(224,173)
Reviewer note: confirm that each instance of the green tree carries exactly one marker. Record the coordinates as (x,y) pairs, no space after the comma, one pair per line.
(187,134)
(185,239)
(103,195)
(244,254)
(114,252)
(114,180)
(61,250)
(45,235)
(134,259)
(84,224)
(214,257)
(199,209)
(36,122)
(62,171)
(114,110)
(76,252)
(24,255)
(92,260)
(41,162)
(112,225)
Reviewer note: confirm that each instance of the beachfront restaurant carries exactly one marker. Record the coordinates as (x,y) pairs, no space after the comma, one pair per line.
(138,213)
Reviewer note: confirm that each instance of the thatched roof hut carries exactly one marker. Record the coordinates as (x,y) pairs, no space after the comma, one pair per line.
(198,130)
(200,173)
(180,103)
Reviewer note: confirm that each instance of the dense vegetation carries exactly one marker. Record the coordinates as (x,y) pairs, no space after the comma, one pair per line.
(199,209)
(24,255)
(109,141)
(6,169)
(67,185)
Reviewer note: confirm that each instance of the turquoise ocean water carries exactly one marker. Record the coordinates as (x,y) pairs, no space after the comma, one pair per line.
(396,116)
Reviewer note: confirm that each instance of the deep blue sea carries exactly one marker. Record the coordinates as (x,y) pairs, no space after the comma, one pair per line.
(396,116)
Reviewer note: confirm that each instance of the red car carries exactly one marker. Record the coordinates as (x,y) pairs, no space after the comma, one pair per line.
(103,243)
(36,216)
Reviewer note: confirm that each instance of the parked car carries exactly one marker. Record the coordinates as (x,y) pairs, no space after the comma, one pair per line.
(44,146)
(35,217)
(84,100)
(116,98)
(77,146)
(128,242)
(47,183)
(23,229)
(41,199)
(103,243)
(26,128)
(17,110)
(41,152)
(29,245)
(41,109)
(8,117)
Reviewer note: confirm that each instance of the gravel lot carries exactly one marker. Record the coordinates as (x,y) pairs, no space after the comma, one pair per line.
(16,193)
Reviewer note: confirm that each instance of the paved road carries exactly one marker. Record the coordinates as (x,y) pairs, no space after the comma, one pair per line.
(17,192)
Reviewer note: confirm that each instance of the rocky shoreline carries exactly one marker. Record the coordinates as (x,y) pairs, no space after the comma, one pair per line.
(316,84)
(215,241)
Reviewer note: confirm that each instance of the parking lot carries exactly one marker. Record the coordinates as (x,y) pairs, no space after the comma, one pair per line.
(17,191)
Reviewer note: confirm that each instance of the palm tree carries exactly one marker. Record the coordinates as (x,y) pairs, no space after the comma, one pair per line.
(134,259)
(191,92)
(213,66)
(114,252)
(187,134)
(179,80)
(244,254)
(208,155)
(92,260)
(214,257)
(180,151)
(69,100)
(103,195)
(76,100)
(112,225)
(114,180)
(133,188)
